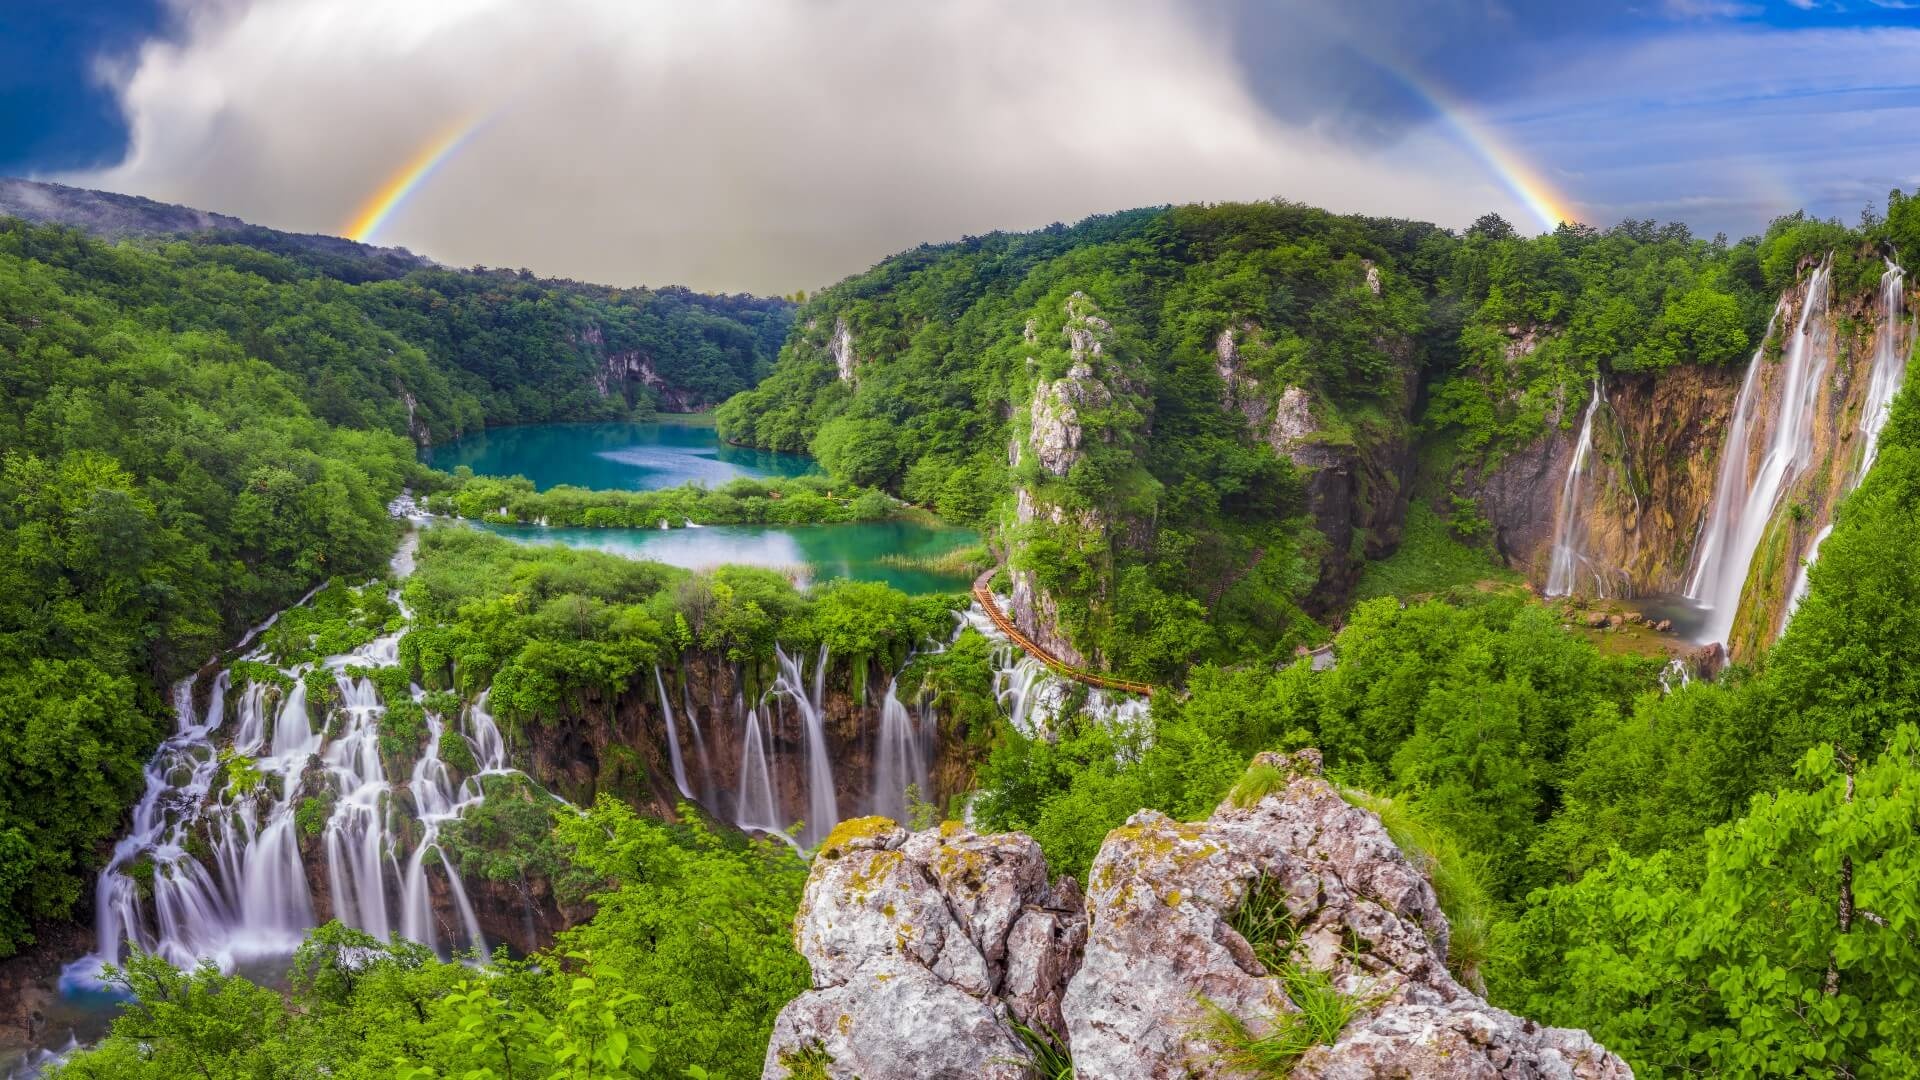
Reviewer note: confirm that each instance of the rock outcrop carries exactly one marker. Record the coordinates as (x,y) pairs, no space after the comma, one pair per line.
(1062,420)
(1357,486)
(927,948)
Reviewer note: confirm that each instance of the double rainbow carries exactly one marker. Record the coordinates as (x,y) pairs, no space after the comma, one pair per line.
(374,212)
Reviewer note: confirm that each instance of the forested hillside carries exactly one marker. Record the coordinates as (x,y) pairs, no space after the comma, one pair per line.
(1268,386)
(197,432)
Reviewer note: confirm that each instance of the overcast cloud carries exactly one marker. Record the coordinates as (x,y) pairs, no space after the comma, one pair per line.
(732,145)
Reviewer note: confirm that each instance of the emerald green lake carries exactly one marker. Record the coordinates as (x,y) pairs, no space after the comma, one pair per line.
(647,457)
(627,457)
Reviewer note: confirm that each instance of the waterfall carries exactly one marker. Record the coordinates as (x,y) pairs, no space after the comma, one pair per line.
(758,807)
(1744,500)
(823,811)
(902,755)
(1566,545)
(1034,697)
(1891,346)
(227,879)
(673,737)
(435,804)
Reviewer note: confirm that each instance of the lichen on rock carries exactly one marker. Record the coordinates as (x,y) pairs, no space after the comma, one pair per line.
(927,948)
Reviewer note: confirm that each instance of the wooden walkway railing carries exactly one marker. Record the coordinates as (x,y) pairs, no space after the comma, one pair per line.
(1066,671)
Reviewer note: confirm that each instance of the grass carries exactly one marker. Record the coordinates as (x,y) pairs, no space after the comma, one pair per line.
(1051,1058)
(1322,1012)
(960,562)
(1265,921)
(1259,781)
(1459,883)
(1272,1045)
(1429,560)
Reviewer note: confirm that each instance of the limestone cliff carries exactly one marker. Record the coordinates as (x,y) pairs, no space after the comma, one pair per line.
(1656,467)
(1358,476)
(928,948)
(1656,439)
(1095,401)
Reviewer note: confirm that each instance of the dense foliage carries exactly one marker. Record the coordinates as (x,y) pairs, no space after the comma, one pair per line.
(683,967)
(196,433)
(800,500)
(551,630)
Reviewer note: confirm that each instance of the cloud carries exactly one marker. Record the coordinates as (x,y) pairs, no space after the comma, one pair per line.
(1710,9)
(728,144)
(1726,128)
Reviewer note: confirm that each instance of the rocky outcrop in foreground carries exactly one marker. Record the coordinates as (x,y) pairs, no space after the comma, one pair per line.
(929,948)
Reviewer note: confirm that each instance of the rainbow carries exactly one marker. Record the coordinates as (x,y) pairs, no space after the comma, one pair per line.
(379,206)
(1503,162)
(1514,172)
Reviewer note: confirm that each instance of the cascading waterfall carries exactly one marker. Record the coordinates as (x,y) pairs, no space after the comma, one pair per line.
(757,809)
(1567,558)
(1892,343)
(228,881)
(673,737)
(823,811)
(1744,500)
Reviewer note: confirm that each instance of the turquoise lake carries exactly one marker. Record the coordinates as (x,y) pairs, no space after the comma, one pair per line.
(629,457)
(647,457)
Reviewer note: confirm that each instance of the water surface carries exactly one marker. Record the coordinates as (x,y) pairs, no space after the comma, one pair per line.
(806,552)
(679,450)
(624,456)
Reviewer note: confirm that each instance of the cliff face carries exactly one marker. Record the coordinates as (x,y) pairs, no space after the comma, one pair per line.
(927,949)
(1656,467)
(1656,441)
(1096,401)
(1357,482)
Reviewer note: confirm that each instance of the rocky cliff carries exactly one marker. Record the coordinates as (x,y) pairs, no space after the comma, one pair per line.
(1657,438)
(1095,403)
(1358,475)
(1655,469)
(948,954)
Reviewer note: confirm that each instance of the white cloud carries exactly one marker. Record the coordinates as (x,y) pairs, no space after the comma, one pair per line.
(727,144)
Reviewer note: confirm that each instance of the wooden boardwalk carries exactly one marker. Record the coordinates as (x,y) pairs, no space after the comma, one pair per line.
(1066,671)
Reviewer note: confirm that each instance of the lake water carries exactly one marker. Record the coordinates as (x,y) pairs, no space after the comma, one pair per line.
(629,457)
(647,457)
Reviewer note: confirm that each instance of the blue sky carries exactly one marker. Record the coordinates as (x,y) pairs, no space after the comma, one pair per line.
(754,145)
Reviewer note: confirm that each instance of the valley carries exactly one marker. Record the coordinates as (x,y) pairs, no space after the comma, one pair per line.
(1579,561)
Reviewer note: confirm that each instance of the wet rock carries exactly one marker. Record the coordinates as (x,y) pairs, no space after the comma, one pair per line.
(926,948)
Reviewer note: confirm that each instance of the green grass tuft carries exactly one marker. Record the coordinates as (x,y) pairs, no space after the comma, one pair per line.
(1429,560)
(1259,781)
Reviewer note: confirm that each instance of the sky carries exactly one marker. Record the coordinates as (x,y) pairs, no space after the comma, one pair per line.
(753,145)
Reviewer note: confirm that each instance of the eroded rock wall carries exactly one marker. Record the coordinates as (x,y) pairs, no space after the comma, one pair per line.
(1357,480)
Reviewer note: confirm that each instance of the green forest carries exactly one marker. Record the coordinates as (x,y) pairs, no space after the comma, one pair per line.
(200,433)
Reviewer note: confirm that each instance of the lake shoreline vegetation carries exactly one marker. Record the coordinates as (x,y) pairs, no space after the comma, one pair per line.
(1662,866)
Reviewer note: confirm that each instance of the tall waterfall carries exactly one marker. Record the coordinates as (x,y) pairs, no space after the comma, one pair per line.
(1892,344)
(206,874)
(1566,544)
(1744,497)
